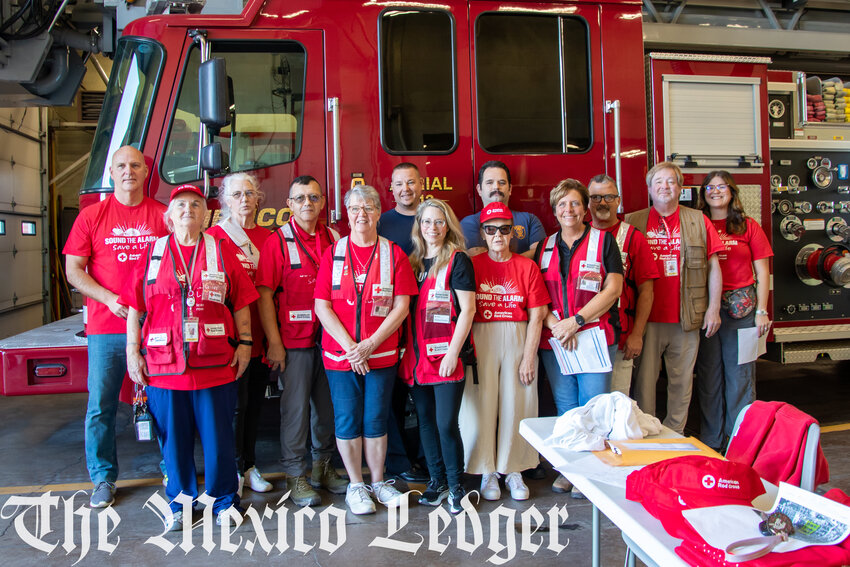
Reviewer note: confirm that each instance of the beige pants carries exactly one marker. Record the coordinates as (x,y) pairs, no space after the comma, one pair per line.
(679,349)
(621,377)
(492,409)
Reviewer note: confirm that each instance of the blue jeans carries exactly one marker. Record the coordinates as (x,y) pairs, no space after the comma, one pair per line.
(361,403)
(107,365)
(177,414)
(723,386)
(574,390)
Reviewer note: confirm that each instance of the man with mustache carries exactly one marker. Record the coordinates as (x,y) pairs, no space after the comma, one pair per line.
(685,247)
(639,273)
(494,184)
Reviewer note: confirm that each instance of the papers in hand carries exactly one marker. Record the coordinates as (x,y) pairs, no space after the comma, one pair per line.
(750,345)
(591,354)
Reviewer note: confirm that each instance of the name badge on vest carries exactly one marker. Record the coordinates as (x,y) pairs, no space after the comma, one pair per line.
(438,309)
(671,267)
(214,330)
(382,300)
(300,316)
(214,286)
(158,339)
(190,330)
(437,349)
(589,276)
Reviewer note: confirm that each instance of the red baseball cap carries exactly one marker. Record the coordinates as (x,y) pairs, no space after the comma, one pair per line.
(670,486)
(187,188)
(496,210)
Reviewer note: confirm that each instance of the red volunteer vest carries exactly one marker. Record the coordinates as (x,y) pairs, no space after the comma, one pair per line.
(627,304)
(166,298)
(355,310)
(588,253)
(430,339)
(296,315)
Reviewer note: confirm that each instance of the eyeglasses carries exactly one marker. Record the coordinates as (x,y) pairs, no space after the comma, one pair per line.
(301,198)
(721,187)
(490,230)
(355,210)
(608,198)
(439,223)
(238,194)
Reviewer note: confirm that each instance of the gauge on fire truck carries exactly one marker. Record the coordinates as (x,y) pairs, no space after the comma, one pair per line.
(822,177)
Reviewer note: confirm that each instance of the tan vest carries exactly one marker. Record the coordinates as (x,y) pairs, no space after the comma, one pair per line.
(693,264)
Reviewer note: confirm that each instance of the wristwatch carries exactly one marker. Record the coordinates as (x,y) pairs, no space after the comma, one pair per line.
(579,319)
(246,342)
(761,312)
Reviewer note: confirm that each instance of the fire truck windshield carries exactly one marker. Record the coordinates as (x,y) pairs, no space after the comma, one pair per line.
(126,107)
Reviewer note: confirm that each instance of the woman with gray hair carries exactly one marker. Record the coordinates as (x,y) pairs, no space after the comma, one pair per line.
(362,296)
(240,199)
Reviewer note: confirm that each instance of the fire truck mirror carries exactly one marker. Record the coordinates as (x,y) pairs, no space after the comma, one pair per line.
(213,159)
(214,94)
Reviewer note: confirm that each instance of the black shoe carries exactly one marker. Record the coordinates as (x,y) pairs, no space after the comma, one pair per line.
(537,473)
(416,474)
(456,494)
(436,492)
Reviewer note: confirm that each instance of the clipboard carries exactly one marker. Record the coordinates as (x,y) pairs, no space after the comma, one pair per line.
(639,452)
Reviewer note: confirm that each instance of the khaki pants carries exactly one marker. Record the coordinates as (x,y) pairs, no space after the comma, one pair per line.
(621,377)
(492,409)
(679,349)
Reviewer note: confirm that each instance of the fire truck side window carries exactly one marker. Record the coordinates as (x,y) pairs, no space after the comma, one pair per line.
(417,82)
(533,85)
(265,129)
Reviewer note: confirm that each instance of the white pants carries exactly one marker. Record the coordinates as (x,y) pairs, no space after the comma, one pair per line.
(492,409)
(621,378)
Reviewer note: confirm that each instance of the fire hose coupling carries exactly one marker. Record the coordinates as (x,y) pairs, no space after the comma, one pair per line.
(831,265)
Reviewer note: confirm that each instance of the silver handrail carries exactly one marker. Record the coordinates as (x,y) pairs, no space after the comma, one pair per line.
(336,212)
(613,106)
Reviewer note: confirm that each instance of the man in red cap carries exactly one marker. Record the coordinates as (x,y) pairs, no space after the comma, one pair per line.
(104,243)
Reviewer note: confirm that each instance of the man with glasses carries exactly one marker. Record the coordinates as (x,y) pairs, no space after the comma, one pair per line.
(286,280)
(494,185)
(684,246)
(639,272)
(406,186)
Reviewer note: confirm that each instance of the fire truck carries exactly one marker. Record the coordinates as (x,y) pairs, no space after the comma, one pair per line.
(344,91)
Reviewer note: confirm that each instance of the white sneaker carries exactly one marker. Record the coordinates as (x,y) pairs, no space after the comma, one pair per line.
(256,481)
(174,522)
(519,491)
(386,493)
(358,500)
(224,516)
(490,486)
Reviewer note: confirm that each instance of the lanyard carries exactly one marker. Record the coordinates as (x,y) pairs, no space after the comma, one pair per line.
(190,301)
(358,288)
(317,258)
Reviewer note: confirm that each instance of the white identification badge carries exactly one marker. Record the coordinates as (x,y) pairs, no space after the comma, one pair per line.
(190,330)
(382,291)
(297,316)
(214,330)
(439,295)
(436,349)
(158,339)
(589,283)
(586,266)
(671,267)
(212,276)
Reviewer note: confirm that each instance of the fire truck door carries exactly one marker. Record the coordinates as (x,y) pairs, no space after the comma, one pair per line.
(278,118)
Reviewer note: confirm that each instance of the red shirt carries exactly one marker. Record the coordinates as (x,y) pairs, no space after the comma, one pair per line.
(741,250)
(240,292)
(404,281)
(506,290)
(638,267)
(663,234)
(113,237)
(258,236)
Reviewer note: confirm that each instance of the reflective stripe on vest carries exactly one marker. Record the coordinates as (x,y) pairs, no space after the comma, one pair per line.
(291,246)
(385,251)
(592,252)
(159,251)
(622,232)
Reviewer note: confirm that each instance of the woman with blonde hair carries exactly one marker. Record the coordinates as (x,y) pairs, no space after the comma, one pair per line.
(433,364)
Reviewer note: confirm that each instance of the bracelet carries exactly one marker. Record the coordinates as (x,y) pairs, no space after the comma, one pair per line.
(761,312)
(246,343)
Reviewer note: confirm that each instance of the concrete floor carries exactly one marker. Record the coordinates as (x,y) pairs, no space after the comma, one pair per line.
(41,449)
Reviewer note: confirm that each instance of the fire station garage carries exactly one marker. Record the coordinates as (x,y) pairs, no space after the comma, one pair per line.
(213,214)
